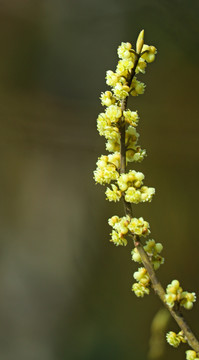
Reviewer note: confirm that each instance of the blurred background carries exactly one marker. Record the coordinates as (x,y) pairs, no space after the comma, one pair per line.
(65,291)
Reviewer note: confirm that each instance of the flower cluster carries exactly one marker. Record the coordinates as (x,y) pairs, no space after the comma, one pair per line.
(107,169)
(118,125)
(121,227)
(153,250)
(175,339)
(192,355)
(175,294)
(116,119)
(139,227)
(121,80)
(131,179)
(109,123)
(131,184)
(141,287)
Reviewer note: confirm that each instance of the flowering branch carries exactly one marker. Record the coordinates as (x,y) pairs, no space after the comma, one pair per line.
(118,125)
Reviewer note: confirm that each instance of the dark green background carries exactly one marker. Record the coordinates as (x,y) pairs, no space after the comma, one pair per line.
(65,290)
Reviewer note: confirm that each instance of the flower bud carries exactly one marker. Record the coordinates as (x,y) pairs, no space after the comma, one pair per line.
(140,42)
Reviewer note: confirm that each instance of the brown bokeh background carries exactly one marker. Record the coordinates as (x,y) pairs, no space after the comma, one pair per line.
(65,290)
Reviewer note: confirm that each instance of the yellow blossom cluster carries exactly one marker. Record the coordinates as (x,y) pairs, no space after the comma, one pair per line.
(107,166)
(107,99)
(153,250)
(129,184)
(141,287)
(120,80)
(108,124)
(123,84)
(192,355)
(113,194)
(131,117)
(121,227)
(139,227)
(175,294)
(175,339)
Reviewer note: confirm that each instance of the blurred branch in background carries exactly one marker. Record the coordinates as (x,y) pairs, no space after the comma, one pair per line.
(157,343)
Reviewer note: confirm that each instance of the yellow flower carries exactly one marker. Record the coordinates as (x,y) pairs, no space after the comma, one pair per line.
(141,67)
(124,66)
(132,195)
(135,154)
(140,290)
(131,117)
(105,172)
(137,87)
(131,137)
(114,194)
(142,276)
(113,144)
(113,220)
(136,256)
(149,53)
(139,227)
(131,179)
(173,339)
(107,98)
(147,193)
(124,50)
(176,293)
(111,78)
(113,113)
(101,123)
(187,299)
(121,91)
(114,159)
(118,240)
